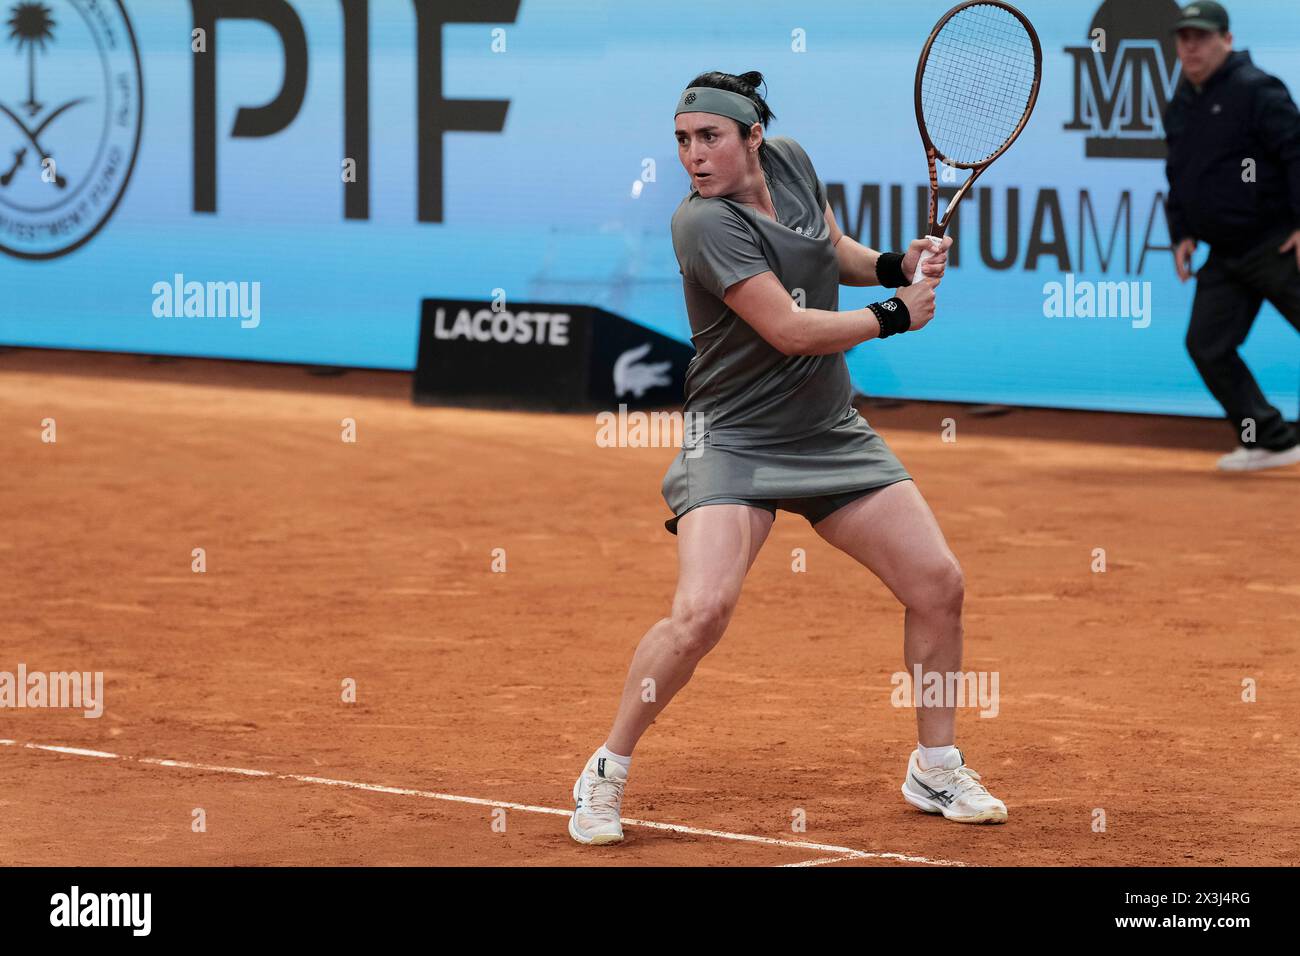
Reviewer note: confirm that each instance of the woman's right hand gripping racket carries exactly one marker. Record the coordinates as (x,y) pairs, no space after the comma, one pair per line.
(976,85)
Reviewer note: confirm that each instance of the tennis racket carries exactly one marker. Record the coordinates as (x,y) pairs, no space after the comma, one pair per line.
(976,86)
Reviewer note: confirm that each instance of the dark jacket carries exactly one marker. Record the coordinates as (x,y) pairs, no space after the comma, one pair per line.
(1240,113)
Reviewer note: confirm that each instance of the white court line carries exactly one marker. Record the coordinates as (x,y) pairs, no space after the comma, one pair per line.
(819,862)
(863,854)
(843,852)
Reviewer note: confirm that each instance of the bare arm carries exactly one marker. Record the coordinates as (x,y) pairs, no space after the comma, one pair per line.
(857,262)
(764,303)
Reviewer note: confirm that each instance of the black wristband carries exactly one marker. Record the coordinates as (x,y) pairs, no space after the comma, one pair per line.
(892,315)
(889,271)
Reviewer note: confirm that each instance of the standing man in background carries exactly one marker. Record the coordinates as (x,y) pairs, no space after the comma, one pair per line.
(1234,182)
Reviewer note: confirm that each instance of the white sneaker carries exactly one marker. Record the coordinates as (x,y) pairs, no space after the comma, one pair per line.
(1256,459)
(953,790)
(598,801)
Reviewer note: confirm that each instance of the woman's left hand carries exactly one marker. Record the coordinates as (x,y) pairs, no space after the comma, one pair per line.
(934,266)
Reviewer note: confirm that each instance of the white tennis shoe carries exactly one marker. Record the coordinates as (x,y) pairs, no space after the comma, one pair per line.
(598,802)
(953,790)
(1257,459)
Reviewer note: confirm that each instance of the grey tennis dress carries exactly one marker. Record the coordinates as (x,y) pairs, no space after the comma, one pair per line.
(763,428)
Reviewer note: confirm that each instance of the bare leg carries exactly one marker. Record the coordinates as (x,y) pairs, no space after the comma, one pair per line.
(893,533)
(716,546)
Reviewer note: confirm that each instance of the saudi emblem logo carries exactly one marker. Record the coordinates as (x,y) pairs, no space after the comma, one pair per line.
(70,120)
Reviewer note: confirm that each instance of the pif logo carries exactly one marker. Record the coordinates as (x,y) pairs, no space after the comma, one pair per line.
(71,107)
(436,115)
(1125,78)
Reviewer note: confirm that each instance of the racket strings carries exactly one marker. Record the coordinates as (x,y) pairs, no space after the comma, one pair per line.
(977,82)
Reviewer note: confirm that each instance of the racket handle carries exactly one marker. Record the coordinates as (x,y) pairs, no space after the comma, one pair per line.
(935,245)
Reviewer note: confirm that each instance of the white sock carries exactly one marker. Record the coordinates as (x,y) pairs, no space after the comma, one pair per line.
(931,757)
(624,762)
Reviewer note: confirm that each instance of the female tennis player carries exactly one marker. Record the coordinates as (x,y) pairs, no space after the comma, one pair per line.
(772,426)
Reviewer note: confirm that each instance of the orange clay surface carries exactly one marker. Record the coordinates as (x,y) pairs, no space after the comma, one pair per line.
(1120,691)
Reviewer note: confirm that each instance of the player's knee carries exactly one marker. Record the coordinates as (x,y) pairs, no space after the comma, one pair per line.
(944,588)
(698,622)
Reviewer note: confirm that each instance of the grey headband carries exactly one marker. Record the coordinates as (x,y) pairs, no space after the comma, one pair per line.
(705,99)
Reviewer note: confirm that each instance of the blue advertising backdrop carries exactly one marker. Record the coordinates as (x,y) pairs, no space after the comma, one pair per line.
(557,182)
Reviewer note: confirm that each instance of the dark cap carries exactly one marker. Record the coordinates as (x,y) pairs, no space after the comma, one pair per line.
(1206,15)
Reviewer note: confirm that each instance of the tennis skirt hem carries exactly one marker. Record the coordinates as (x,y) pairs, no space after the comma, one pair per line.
(848,458)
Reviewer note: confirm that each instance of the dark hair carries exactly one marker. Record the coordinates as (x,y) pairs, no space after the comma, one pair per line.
(746,84)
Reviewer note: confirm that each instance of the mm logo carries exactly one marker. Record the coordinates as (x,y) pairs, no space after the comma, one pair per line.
(1125,78)
(70,120)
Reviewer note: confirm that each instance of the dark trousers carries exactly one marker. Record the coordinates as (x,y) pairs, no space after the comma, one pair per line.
(1229,293)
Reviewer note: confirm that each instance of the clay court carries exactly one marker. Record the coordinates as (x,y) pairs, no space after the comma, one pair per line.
(479,691)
